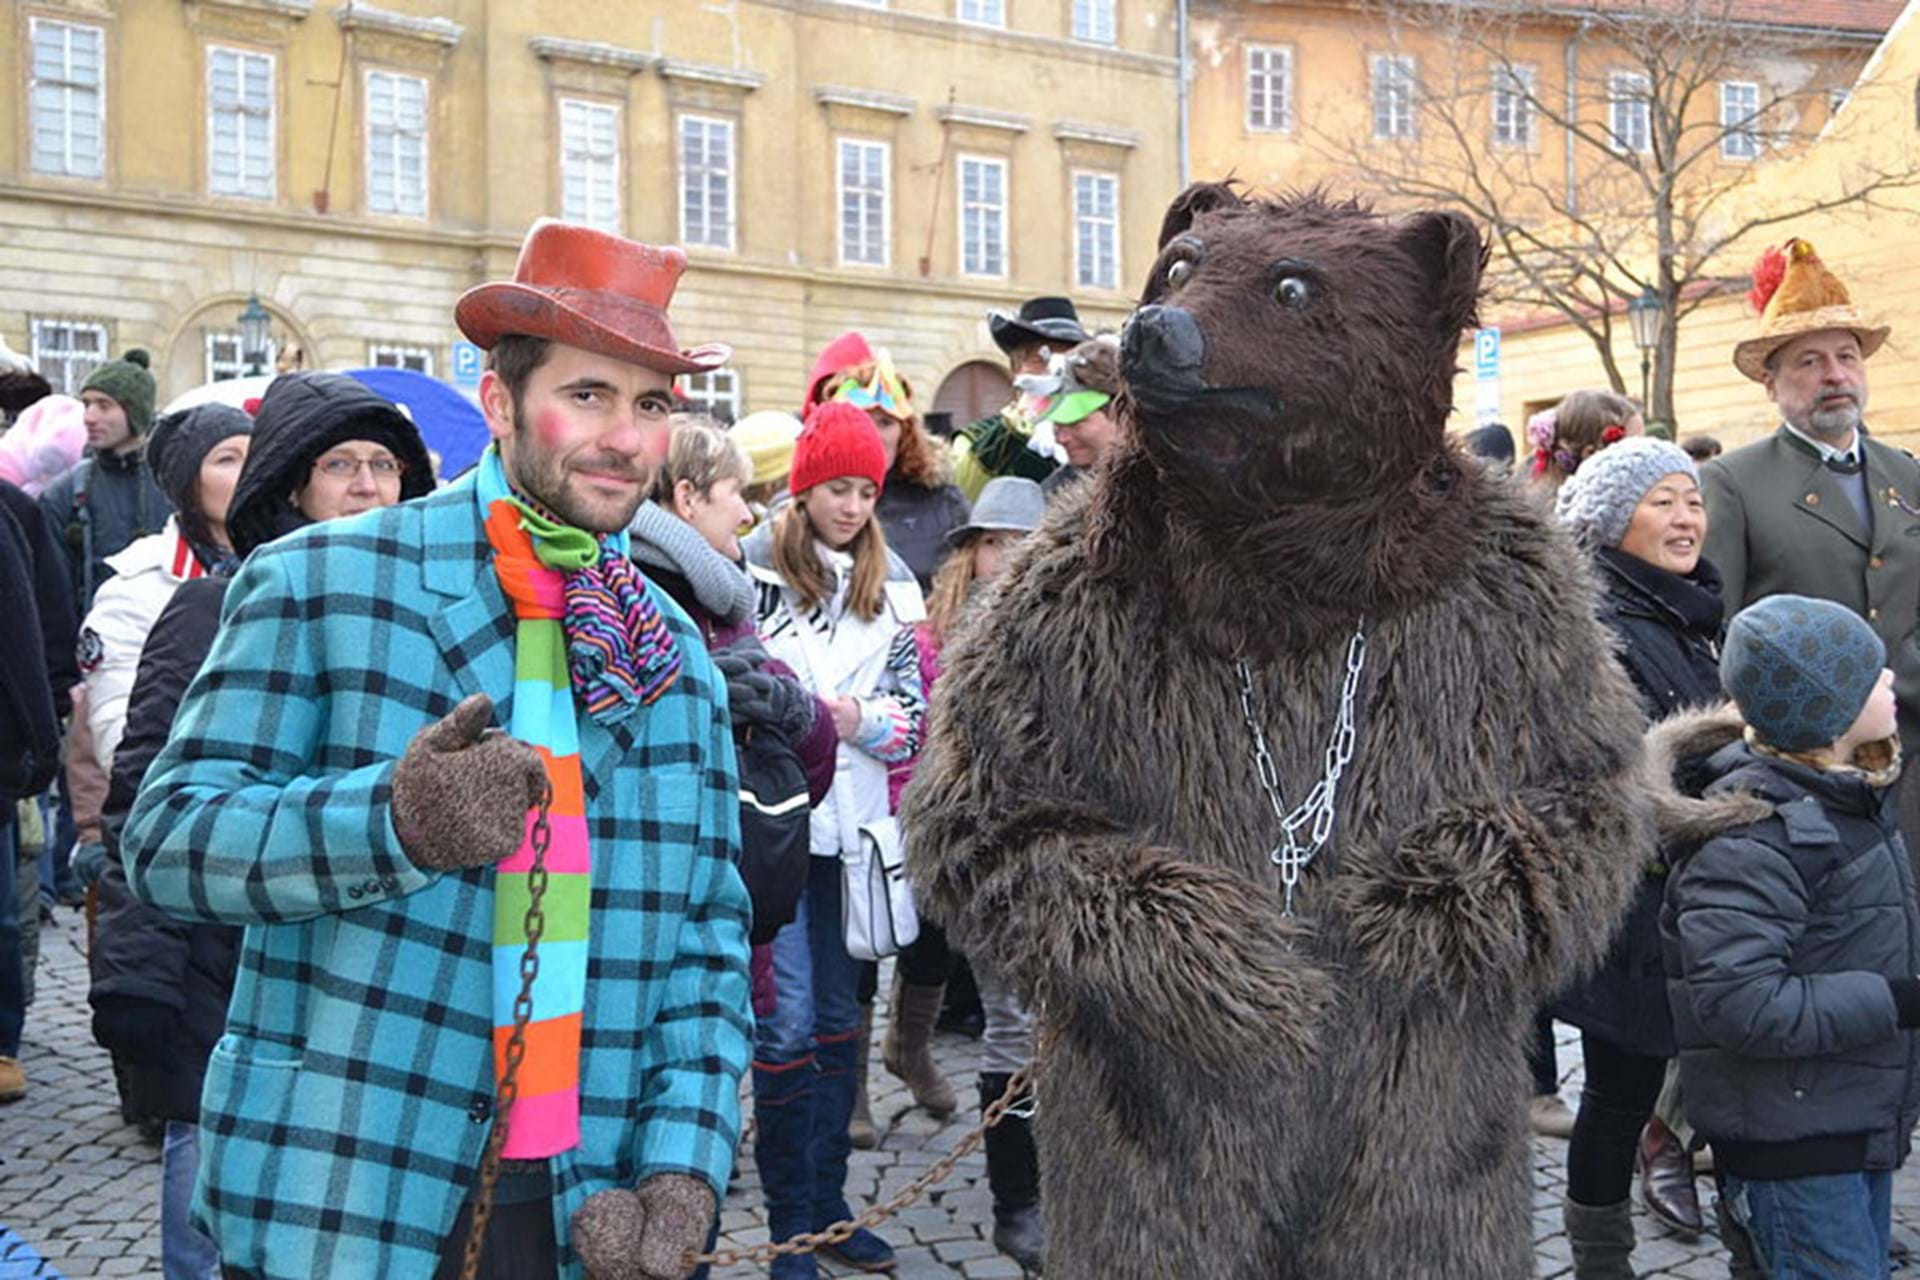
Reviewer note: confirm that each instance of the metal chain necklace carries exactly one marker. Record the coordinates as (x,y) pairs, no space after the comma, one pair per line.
(1314,814)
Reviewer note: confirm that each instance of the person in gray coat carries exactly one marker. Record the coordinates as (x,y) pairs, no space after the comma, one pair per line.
(1792,938)
(1820,508)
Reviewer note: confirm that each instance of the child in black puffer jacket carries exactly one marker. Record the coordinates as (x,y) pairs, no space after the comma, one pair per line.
(1792,941)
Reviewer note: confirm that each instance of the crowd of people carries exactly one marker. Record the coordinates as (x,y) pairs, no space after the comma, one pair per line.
(640,694)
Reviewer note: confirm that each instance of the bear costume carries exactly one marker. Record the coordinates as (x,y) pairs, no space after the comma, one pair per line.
(1227,1088)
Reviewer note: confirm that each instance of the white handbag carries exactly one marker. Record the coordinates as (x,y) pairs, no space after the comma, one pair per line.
(876,902)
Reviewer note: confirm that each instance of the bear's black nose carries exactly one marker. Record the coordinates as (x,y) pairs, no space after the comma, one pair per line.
(1163,344)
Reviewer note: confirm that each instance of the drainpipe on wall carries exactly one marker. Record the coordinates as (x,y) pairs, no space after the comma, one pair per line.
(1180,37)
(1573,115)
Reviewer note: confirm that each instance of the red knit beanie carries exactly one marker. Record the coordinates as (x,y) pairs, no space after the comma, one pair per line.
(838,440)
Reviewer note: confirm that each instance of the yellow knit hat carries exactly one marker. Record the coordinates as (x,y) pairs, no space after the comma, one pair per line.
(1797,295)
(768,438)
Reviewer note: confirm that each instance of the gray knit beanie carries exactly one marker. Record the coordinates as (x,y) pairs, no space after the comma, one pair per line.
(1800,669)
(1597,502)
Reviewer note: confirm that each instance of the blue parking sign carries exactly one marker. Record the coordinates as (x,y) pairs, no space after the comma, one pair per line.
(1486,353)
(468,361)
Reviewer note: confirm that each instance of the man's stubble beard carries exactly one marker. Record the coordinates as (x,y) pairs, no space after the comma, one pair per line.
(1834,426)
(542,476)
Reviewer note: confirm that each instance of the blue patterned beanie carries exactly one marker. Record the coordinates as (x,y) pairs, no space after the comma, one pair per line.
(1800,669)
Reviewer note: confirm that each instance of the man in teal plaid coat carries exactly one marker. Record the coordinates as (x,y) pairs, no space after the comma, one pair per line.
(332,784)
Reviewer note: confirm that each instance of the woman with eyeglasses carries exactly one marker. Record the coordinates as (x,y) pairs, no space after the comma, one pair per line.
(323,446)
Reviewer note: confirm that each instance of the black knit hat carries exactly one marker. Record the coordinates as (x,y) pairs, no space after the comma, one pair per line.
(177,445)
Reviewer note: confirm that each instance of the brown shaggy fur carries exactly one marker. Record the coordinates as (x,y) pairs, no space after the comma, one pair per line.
(1225,1092)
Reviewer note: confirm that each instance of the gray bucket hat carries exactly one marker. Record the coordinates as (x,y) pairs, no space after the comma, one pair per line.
(1008,504)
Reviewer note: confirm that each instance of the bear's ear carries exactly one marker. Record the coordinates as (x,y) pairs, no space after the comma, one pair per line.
(1201,197)
(1449,253)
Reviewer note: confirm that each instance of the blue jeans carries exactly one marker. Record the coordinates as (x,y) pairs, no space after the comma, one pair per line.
(1827,1227)
(185,1254)
(814,978)
(13,978)
(57,876)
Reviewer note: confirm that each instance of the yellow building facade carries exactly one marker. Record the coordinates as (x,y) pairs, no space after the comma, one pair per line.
(900,166)
(1290,95)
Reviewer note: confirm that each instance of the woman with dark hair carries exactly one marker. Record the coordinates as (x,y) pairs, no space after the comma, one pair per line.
(1637,507)
(919,504)
(323,446)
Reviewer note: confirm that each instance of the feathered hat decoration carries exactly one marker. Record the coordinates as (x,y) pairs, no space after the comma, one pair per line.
(1796,294)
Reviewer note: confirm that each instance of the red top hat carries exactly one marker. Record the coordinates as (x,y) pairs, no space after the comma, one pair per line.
(592,290)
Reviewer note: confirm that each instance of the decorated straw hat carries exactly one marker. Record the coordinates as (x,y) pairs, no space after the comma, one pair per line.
(588,289)
(1796,295)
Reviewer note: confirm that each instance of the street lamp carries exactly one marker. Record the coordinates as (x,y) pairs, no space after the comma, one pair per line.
(1643,313)
(255,325)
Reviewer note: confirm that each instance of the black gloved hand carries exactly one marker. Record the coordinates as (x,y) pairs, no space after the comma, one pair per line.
(777,704)
(743,655)
(143,1032)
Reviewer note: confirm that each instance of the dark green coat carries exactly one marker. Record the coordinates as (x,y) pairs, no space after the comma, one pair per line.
(1779,522)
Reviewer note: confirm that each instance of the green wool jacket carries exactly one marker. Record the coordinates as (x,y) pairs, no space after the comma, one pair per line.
(1779,522)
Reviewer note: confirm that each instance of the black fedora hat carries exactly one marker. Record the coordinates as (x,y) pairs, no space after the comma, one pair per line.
(1049,320)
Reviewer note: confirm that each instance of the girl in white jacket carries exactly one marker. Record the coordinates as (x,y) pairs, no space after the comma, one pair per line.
(838,608)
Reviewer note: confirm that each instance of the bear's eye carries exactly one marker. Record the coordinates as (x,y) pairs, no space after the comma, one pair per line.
(1294,292)
(1179,273)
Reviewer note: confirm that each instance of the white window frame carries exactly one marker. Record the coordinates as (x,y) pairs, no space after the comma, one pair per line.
(976,215)
(617,225)
(405,203)
(841,191)
(1630,93)
(391,355)
(271,160)
(55,359)
(1096,21)
(1740,136)
(728,171)
(1514,121)
(981,13)
(70,88)
(1392,84)
(1082,222)
(716,388)
(1269,111)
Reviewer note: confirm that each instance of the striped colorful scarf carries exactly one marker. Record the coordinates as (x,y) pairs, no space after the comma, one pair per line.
(584,627)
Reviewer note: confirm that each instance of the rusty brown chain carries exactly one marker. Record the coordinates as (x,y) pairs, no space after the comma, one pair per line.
(535,925)
(809,1241)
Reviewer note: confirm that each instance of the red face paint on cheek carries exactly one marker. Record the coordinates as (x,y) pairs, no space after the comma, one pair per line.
(550,428)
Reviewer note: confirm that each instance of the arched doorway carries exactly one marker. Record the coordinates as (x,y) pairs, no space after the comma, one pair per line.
(206,346)
(968,394)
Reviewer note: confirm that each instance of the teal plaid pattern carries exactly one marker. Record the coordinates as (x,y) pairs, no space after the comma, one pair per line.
(346,1108)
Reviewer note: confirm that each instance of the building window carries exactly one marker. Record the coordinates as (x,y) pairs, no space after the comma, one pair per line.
(67,351)
(983,216)
(240,123)
(1392,94)
(986,13)
(385,356)
(716,393)
(1096,230)
(66,102)
(1630,111)
(590,163)
(396,144)
(863,202)
(1094,20)
(1739,120)
(1269,88)
(1836,99)
(1513,101)
(706,181)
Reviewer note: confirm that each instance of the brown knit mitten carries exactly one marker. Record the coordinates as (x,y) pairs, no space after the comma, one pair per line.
(462,790)
(644,1234)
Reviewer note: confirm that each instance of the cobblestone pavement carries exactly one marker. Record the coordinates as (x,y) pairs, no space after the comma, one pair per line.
(80,1188)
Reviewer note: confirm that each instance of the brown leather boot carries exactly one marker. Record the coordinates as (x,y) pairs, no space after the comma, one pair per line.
(1666,1179)
(907,1050)
(860,1129)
